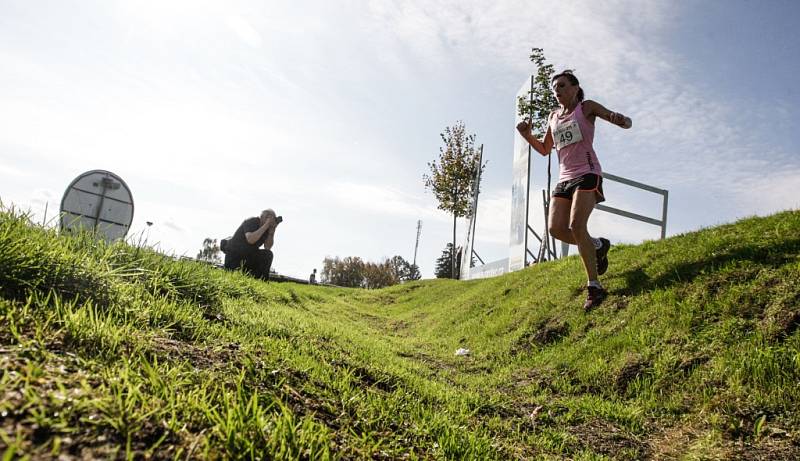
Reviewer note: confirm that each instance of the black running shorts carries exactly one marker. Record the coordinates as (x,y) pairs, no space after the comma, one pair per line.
(588,182)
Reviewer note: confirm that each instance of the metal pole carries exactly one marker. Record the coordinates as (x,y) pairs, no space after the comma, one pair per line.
(416,244)
(475,211)
(453,250)
(548,251)
(535,234)
(105,186)
(546,239)
(664,217)
(528,183)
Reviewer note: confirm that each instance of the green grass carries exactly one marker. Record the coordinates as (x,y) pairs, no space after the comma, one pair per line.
(114,351)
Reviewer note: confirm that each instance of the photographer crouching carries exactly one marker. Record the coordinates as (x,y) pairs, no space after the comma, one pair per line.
(241,250)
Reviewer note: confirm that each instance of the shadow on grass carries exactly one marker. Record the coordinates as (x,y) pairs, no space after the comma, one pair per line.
(637,281)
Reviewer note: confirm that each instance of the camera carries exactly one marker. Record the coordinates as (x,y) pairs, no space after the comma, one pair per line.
(279,219)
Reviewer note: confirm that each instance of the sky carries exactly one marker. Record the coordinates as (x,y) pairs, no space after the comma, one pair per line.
(329,112)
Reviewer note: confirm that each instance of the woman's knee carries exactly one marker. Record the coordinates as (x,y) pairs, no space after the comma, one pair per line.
(559,232)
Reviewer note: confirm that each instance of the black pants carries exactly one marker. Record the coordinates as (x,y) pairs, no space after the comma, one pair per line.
(256,263)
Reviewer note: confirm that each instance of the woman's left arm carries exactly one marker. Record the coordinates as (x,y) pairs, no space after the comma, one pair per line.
(593,108)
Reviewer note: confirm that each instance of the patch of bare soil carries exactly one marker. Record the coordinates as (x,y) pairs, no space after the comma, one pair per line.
(546,333)
(777,447)
(531,377)
(430,361)
(633,369)
(608,439)
(203,357)
(688,364)
(676,442)
(781,324)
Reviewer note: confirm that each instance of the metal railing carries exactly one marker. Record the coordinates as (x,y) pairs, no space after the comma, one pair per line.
(628,182)
(546,248)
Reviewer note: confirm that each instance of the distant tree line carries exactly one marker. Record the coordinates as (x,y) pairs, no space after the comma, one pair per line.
(353,271)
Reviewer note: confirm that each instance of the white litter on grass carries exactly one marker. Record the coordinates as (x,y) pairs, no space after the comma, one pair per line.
(462,351)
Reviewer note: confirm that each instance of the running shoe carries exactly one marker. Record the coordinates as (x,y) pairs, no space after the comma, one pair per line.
(602,256)
(595,297)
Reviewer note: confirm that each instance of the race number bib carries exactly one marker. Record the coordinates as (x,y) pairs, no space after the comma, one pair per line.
(566,134)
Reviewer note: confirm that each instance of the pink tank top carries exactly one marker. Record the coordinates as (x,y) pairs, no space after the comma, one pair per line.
(573,136)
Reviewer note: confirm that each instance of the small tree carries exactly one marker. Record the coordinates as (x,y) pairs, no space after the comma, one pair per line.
(327,274)
(537,105)
(347,272)
(353,271)
(452,179)
(379,275)
(444,269)
(210,251)
(413,272)
(405,271)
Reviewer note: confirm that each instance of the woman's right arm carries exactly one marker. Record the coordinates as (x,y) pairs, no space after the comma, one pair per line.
(542,147)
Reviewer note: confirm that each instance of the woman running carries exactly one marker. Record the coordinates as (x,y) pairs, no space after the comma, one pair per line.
(580,182)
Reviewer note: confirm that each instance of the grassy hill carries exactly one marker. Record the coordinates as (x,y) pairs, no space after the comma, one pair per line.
(112,351)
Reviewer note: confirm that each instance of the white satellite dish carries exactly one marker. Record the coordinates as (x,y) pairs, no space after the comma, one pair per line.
(98,201)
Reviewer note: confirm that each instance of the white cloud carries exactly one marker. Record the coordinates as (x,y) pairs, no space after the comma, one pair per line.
(244,31)
(333,114)
(376,199)
(8,170)
(760,195)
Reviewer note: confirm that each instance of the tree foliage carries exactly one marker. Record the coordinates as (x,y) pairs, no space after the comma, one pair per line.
(346,272)
(413,273)
(444,269)
(354,272)
(210,251)
(452,178)
(405,271)
(379,275)
(537,105)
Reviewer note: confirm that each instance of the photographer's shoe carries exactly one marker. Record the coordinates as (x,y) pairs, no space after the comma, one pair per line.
(602,256)
(595,297)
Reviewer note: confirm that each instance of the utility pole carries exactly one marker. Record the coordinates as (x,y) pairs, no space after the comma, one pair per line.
(416,245)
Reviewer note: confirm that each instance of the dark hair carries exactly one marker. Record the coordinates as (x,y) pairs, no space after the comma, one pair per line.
(572,79)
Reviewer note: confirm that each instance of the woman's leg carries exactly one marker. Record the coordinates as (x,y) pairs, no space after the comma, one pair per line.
(582,205)
(560,210)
